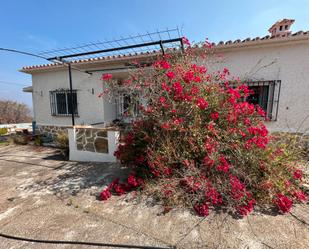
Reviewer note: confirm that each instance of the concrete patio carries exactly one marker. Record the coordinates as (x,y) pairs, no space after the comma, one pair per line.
(44,197)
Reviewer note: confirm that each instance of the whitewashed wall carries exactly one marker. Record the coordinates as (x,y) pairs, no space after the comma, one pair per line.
(90,107)
(288,63)
(89,156)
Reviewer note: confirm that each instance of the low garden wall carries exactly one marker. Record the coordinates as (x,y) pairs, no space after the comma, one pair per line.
(93,144)
(51,130)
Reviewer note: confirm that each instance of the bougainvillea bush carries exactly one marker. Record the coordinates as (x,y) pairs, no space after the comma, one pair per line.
(197,143)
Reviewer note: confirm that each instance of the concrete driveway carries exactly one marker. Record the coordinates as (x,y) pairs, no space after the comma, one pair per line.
(44,197)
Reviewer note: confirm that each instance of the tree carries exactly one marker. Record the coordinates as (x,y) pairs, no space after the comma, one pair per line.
(12,112)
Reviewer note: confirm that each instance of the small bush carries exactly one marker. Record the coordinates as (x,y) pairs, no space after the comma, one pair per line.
(62,141)
(3,131)
(199,144)
(21,139)
(38,141)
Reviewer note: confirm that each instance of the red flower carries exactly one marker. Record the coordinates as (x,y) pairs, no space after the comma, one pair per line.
(106,76)
(284,203)
(165,65)
(165,126)
(186,41)
(120,189)
(105,194)
(201,209)
(162,100)
(188,77)
(165,87)
(194,90)
(224,165)
(246,209)
(300,195)
(132,181)
(298,174)
(213,196)
(214,116)
(170,75)
(177,88)
(202,103)
(208,162)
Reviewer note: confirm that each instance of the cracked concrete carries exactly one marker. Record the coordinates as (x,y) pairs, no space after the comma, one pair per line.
(44,197)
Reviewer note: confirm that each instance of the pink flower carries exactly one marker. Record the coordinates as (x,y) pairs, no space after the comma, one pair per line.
(165,126)
(165,87)
(170,75)
(162,100)
(202,103)
(208,162)
(177,88)
(165,65)
(186,41)
(201,209)
(106,76)
(214,116)
(132,180)
(105,194)
(188,77)
(298,174)
(224,165)
(300,195)
(119,189)
(246,209)
(284,203)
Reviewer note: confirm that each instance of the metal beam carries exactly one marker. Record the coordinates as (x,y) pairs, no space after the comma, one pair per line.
(71,94)
(116,49)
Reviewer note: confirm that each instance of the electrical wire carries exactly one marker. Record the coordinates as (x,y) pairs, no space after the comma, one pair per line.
(42,57)
(71,242)
(11,83)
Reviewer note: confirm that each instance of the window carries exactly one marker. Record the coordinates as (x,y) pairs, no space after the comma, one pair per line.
(280,28)
(61,104)
(125,105)
(266,95)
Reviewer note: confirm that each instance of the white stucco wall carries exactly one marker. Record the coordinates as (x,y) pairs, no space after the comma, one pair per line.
(288,63)
(90,107)
(88,156)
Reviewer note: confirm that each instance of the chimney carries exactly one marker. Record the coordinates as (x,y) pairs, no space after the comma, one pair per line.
(281,28)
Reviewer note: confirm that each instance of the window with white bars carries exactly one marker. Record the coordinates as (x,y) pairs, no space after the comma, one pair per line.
(61,102)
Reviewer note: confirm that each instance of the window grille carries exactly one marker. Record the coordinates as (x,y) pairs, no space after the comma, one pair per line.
(266,94)
(125,105)
(60,102)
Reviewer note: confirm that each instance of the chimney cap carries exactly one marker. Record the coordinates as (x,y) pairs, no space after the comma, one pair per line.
(281,22)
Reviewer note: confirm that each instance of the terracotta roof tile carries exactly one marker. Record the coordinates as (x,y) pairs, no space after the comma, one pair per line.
(220,44)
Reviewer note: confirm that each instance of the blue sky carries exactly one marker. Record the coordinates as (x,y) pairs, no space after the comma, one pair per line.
(40,25)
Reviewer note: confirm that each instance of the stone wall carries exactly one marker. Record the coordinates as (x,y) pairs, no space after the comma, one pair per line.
(51,130)
(91,139)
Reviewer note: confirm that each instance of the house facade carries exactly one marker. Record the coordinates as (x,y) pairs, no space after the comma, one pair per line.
(276,67)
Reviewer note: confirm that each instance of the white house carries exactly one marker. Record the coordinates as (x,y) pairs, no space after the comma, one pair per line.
(277,66)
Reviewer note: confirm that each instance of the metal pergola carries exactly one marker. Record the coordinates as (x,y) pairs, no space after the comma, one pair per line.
(158,41)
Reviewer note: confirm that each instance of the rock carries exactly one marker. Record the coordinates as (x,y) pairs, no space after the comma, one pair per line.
(101,145)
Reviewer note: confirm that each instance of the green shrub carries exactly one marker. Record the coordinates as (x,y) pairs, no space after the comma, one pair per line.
(21,139)
(62,141)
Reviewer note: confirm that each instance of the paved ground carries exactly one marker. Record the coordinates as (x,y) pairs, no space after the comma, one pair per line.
(43,197)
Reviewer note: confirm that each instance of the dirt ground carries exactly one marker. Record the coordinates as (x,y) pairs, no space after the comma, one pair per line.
(44,197)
